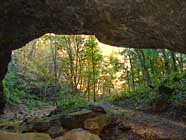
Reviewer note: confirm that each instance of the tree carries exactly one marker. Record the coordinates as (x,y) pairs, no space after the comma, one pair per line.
(145,70)
(93,55)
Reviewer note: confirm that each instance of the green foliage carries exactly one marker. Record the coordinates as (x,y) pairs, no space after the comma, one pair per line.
(141,99)
(178,82)
(179,105)
(175,80)
(67,101)
(33,103)
(174,104)
(180,99)
(14,95)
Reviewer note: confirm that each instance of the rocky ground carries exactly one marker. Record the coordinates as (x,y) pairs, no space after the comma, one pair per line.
(99,122)
(148,126)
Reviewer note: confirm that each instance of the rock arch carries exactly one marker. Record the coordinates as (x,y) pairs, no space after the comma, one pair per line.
(130,23)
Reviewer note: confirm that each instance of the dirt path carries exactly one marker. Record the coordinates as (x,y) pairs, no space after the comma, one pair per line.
(151,127)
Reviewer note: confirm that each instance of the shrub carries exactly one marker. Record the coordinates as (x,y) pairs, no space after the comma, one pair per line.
(71,102)
(14,95)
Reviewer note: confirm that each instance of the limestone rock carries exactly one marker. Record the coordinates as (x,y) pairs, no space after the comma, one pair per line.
(56,132)
(36,125)
(137,23)
(10,125)
(35,136)
(26,136)
(75,119)
(55,120)
(79,134)
(97,108)
(98,122)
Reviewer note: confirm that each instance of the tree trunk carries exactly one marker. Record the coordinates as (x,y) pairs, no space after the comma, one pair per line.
(132,73)
(173,56)
(71,63)
(54,58)
(145,71)
(88,89)
(180,61)
(94,78)
(128,80)
(166,62)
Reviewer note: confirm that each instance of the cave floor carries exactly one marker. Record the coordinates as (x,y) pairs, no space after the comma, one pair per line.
(149,126)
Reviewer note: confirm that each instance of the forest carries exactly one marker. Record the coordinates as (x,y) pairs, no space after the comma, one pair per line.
(56,75)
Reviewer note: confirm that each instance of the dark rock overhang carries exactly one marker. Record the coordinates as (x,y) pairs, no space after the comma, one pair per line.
(129,23)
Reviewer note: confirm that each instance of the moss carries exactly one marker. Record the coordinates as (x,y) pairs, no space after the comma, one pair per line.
(10,125)
(26,136)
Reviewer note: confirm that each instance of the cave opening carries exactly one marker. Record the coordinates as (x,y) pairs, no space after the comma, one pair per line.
(53,65)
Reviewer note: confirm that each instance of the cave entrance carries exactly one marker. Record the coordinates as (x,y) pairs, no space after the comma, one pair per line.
(70,70)
(52,68)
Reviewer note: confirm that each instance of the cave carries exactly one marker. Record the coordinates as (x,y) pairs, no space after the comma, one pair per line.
(122,23)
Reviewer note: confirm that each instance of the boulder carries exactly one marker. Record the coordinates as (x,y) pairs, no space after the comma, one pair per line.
(75,119)
(25,136)
(56,131)
(79,134)
(35,136)
(97,108)
(10,125)
(120,124)
(36,125)
(55,120)
(97,123)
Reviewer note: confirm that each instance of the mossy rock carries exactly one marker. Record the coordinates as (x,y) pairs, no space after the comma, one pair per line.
(10,125)
(56,132)
(97,123)
(26,136)
(76,119)
(36,125)
(79,134)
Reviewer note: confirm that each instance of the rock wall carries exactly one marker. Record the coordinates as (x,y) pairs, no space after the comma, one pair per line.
(5,57)
(130,23)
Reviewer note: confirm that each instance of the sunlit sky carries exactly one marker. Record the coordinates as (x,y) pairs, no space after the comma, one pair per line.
(108,50)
